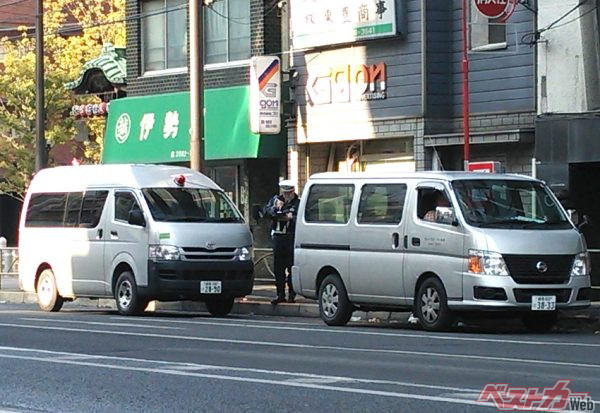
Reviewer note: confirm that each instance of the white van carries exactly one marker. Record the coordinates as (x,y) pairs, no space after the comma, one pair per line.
(133,232)
(438,244)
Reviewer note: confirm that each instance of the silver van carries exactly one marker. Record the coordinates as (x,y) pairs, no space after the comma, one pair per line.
(438,244)
(133,232)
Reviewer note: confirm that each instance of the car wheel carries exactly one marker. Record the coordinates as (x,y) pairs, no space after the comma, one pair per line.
(219,306)
(540,323)
(47,293)
(128,300)
(432,306)
(334,307)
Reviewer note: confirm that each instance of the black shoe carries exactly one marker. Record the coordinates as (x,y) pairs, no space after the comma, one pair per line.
(291,298)
(278,300)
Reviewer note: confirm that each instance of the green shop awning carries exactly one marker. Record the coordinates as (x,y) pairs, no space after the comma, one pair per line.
(156,129)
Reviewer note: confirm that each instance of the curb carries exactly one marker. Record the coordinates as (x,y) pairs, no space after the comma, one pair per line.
(256,305)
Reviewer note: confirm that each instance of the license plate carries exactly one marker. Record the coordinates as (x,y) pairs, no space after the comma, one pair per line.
(543,303)
(210,287)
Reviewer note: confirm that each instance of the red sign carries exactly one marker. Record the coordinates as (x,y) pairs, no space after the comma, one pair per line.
(493,9)
(488,166)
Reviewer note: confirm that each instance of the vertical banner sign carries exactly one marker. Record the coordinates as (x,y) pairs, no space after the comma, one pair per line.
(265,95)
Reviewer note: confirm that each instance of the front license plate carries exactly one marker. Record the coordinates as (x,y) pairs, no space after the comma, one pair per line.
(543,303)
(210,287)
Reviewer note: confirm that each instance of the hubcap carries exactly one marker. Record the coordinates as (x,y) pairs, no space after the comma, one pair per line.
(45,291)
(430,304)
(125,293)
(330,300)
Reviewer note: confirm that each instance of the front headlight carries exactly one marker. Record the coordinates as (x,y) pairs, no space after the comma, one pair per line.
(487,263)
(164,252)
(582,265)
(245,254)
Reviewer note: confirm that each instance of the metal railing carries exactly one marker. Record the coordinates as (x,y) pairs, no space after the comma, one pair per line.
(9,261)
(263,263)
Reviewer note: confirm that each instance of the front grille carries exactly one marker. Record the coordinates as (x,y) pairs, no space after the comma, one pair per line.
(523,295)
(202,254)
(523,268)
(197,275)
(489,293)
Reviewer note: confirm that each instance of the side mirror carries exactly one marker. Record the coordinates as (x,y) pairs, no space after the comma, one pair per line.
(136,217)
(445,215)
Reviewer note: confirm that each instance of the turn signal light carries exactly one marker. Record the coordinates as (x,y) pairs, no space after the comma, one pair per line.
(475,264)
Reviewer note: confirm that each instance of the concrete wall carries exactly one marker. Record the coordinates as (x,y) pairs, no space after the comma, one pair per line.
(568,57)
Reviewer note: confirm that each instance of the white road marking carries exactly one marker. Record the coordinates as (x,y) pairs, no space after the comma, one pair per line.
(332,330)
(310,346)
(239,378)
(98,323)
(194,366)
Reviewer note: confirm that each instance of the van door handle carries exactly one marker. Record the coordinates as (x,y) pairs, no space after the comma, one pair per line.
(395,240)
(405,241)
(416,242)
(114,235)
(99,233)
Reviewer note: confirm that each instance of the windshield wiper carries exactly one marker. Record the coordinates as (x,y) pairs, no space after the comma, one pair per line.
(185,219)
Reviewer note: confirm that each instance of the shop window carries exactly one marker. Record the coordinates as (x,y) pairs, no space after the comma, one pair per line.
(381,204)
(329,204)
(484,33)
(227,31)
(164,34)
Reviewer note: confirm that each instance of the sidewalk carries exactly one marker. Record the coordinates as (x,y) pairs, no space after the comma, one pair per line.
(259,303)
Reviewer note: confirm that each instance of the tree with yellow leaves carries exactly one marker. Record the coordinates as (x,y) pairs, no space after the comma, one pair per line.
(74,32)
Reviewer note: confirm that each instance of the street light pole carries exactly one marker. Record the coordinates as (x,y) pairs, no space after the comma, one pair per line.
(196,17)
(465,85)
(41,154)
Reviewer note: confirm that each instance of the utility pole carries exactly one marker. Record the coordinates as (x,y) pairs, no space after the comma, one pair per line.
(465,85)
(41,155)
(196,17)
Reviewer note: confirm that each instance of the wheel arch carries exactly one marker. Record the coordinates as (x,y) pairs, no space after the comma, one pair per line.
(119,269)
(422,278)
(324,272)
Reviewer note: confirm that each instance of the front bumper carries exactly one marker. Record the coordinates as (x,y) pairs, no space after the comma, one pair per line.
(573,294)
(180,280)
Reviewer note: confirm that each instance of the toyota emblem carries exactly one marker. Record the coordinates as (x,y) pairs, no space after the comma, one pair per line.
(541,266)
(210,245)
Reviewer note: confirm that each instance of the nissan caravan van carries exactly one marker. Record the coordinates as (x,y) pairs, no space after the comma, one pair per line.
(133,232)
(438,244)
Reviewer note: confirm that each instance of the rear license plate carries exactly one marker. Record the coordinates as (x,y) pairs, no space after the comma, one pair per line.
(210,287)
(543,302)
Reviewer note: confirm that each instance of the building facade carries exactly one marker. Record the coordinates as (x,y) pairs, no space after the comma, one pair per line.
(567,144)
(151,124)
(377,87)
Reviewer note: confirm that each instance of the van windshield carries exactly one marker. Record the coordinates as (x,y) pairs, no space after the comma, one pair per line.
(510,204)
(190,205)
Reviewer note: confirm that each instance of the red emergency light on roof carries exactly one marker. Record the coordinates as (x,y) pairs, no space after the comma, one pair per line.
(180,180)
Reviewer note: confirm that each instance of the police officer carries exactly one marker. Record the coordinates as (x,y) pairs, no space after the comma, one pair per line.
(283,209)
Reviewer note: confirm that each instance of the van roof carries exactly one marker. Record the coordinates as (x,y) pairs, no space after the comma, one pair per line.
(441,175)
(78,178)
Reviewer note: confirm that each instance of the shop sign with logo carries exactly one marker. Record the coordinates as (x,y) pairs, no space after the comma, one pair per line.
(157,127)
(346,83)
(496,9)
(319,23)
(265,95)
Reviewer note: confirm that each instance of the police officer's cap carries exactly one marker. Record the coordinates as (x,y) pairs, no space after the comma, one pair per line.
(286,185)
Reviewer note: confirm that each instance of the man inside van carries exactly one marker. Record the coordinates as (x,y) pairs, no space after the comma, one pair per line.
(283,209)
(441,200)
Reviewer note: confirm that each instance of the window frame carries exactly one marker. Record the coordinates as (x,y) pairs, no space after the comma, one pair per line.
(114,214)
(474,17)
(228,62)
(166,70)
(433,187)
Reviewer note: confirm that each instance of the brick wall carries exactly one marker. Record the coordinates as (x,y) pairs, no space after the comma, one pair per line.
(265,38)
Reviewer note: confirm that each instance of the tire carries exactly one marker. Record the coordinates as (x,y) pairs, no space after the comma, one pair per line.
(334,307)
(219,306)
(540,323)
(432,306)
(128,300)
(47,293)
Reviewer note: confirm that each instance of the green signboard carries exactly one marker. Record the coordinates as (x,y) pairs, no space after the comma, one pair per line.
(156,129)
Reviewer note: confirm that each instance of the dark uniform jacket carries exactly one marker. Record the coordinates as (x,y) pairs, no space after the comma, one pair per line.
(279,223)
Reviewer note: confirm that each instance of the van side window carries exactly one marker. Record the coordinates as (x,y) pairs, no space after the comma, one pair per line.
(91,209)
(46,210)
(124,203)
(381,204)
(74,200)
(329,204)
(428,200)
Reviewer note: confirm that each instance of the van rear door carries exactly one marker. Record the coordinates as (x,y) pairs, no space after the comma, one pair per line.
(376,250)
